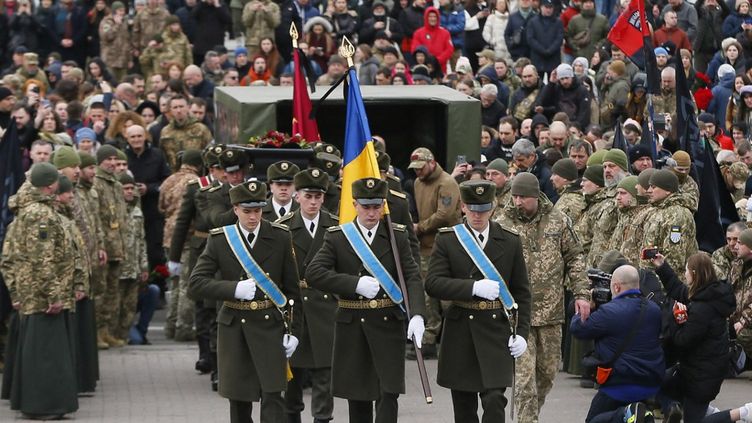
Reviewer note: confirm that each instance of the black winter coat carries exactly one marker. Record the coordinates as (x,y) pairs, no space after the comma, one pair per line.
(544,35)
(211,23)
(702,341)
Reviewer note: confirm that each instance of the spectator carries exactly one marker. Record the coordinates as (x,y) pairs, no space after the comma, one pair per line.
(566,94)
(184,13)
(515,34)
(198,85)
(491,109)
(452,18)
(320,42)
(614,93)
(211,19)
(242,64)
(369,65)
(476,17)
(528,160)
(297,11)
(544,35)
(411,20)
(115,41)
(25,29)
(148,23)
(335,70)
(274,61)
(731,53)
(722,93)
(344,21)
(732,25)
(212,67)
(437,39)
(670,31)
(493,31)
(686,15)
(744,37)
(380,21)
(586,30)
(260,18)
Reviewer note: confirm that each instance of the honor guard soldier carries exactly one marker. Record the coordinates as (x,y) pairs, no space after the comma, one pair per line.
(357,264)
(280,176)
(250,266)
(308,224)
(219,208)
(480,267)
(330,164)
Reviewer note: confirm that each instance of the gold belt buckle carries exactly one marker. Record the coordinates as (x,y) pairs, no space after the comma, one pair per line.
(483,305)
(254,305)
(373,303)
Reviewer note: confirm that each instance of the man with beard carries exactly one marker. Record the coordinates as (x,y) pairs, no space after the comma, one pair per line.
(615,167)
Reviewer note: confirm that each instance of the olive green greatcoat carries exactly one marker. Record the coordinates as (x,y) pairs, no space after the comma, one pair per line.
(477,358)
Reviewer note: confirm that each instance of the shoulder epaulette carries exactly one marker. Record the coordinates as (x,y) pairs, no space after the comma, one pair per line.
(333,216)
(398,194)
(217,231)
(280,226)
(193,181)
(394,177)
(334,228)
(399,227)
(212,189)
(510,230)
(204,182)
(446,229)
(286,217)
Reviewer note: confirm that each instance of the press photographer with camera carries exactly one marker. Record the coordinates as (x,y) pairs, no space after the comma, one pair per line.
(628,355)
(699,334)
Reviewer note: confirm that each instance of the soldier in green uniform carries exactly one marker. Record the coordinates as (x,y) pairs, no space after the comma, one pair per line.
(399,209)
(182,133)
(498,172)
(330,164)
(253,346)
(688,189)
(217,203)
(567,182)
(308,224)
(479,358)
(628,233)
(740,279)
(596,201)
(723,258)
(279,176)
(369,341)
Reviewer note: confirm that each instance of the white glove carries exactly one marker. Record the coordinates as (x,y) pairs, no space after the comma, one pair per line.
(290,343)
(486,288)
(368,287)
(416,328)
(245,290)
(174,268)
(517,346)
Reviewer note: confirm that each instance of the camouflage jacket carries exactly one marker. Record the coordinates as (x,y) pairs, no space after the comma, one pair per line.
(115,42)
(571,201)
(135,260)
(689,193)
(260,23)
(627,236)
(90,205)
(671,228)
(741,280)
(112,213)
(78,258)
(503,197)
(179,47)
(35,263)
(175,138)
(155,59)
(437,198)
(599,216)
(723,260)
(147,24)
(171,194)
(554,258)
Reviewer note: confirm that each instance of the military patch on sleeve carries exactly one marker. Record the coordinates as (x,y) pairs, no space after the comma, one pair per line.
(217,231)
(446,201)
(334,228)
(43,231)
(675,235)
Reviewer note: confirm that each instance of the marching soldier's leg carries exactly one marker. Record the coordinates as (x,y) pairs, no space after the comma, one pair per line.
(322,402)
(240,411)
(465,405)
(387,408)
(294,397)
(272,407)
(203,364)
(526,395)
(547,361)
(213,346)
(494,402)
(360,411)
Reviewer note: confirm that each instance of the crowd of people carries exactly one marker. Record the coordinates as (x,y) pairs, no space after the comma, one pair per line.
(126,187)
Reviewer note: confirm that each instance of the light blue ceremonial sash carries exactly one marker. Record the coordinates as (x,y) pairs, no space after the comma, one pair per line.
(371,263)
(472,248)
(233,236)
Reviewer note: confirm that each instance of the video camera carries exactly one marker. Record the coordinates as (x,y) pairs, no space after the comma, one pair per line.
(600,283)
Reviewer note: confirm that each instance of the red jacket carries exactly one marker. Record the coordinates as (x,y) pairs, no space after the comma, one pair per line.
(675,35)
(435,38)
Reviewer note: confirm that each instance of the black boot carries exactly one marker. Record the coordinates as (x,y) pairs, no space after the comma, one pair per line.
(293,418)
(203,365)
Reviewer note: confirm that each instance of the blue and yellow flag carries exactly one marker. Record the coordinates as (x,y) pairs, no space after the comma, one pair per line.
(359,160)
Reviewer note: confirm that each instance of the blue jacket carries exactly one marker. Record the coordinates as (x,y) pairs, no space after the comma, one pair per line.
(503,90)
(515,31)
(545,34)
(639,370)
(454,21)
(732,25)
(721,95)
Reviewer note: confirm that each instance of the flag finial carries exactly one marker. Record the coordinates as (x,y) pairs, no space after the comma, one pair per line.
(347,50)
(294,35)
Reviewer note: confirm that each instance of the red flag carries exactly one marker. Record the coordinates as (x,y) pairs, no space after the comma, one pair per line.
(302,123)
(627,33)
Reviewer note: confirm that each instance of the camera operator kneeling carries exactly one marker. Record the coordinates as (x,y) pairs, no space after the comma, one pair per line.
(626,332)
(699,333)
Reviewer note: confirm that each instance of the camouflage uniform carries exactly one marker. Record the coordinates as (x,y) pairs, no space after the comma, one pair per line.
(596,224)
(503,196)
(78,258)
(90,205)
(741,279)
(178,46)
(134,263)
(176,137)
(113,213)
(671,228)
(555,259)
(154,58)
(628,234)
(171,194)
(723,260)
(259,24)
(115,45)
(571,201)
(689,193)
(148,23)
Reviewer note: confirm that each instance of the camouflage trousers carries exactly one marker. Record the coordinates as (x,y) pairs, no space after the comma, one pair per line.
(434,309)
(109,304)
(536,370)
(98,288)
(181,310)
(126,311)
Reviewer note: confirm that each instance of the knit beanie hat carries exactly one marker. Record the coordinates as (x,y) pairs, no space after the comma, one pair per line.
(126,178)
(86,159)
(629,184)
(665,179)
(117,5)
(644,177)
(596,158)
(682,159)
(745,237)
(43,175)
(66,157)
(525,184)
(617,157)
(105,152)
(499,164)
(566,169)
(594,174)
(85,134)
(564,71)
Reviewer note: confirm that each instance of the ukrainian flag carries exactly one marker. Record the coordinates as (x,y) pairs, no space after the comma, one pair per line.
(359,159)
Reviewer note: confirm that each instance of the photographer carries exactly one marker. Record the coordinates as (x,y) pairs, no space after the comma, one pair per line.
(699,333)
(626,331)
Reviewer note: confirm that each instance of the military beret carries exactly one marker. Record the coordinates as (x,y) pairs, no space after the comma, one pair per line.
(566,169)
(594,174)
(282,171)
(105,152)
(327,162)
(525,184)
(86,159)
(315,180)
(192,157)
(596,158)
(629,184)
(66,157)
(665,179)
(617,157)
(65,185)
(43,175)
(644,177)
(251,194)
(369,191)
(125,178)
(327,148)
(384,161)
(232,160)
(499,164)
(745,237)
(478,195)
(682,158)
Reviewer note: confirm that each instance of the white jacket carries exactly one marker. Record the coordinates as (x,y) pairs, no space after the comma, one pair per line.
(493,33)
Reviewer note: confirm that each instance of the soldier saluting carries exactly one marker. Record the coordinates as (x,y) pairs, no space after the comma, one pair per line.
(250,265)
(356,264)
(480,267)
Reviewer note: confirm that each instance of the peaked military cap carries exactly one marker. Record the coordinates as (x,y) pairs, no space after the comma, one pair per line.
(384,161)
(327,162)
(370,191)
(211,155)
(314,179)
(232,160)
(251,194)
(282,171)
(478,195)
(327,148)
